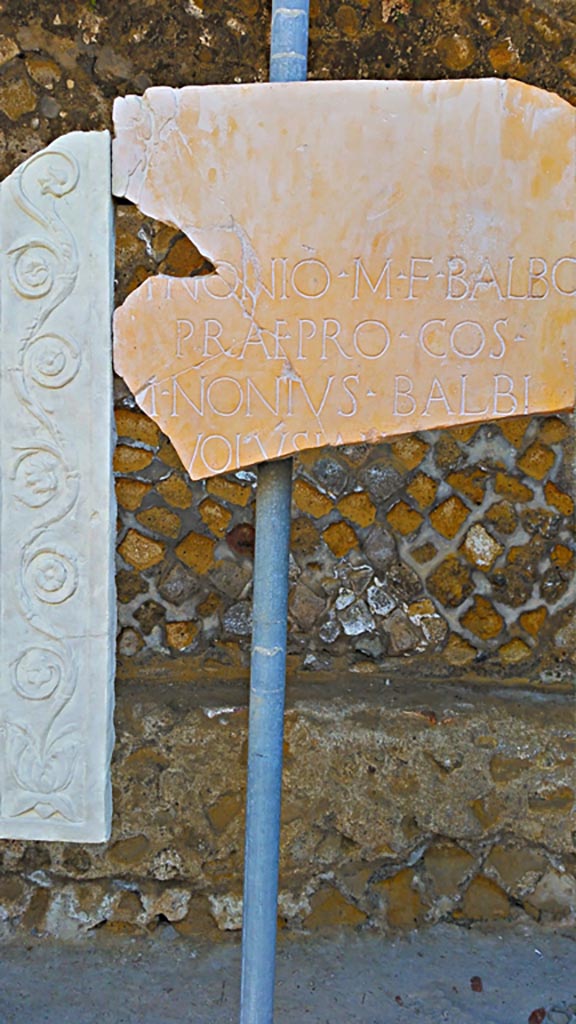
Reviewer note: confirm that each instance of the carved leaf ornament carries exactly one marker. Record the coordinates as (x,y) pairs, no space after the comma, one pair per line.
(56,624)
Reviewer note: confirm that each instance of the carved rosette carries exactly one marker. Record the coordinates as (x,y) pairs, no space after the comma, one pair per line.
(43,723)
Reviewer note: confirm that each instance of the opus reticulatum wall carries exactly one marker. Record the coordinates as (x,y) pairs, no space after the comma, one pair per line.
(429,757)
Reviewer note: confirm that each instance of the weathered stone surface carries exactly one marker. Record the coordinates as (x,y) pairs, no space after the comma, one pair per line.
(271,354)
(516,868)
(173,48)
(197,551)
(57,533)
(484,900)
(382,785)
(404,907)
(448,866)
(555,895)
(481,548)
(431,578)
(305,605)
(140,551)
(330,909)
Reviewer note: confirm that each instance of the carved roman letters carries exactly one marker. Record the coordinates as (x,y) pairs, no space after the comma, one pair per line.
(432,292)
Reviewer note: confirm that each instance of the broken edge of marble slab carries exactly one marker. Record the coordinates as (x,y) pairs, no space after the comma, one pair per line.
(57,593)
(390,256)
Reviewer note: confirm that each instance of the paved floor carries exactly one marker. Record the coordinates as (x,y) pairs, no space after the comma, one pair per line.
(508,976)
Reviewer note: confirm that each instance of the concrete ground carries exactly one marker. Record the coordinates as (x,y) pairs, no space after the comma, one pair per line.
(513,975)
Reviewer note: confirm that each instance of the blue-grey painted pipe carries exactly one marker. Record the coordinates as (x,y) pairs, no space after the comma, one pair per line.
(289,42)
(266,733)
(288,56)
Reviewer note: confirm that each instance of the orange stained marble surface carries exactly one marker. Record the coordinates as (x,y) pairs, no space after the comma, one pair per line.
(390,256)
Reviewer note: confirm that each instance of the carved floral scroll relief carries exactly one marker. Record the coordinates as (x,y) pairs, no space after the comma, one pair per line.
(389,256)
(57,618)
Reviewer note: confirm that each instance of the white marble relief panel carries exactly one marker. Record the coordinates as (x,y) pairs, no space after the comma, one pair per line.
(56,510)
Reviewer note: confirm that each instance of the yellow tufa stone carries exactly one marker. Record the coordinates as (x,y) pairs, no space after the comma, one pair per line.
(127,908)
(504,58)
(140,551)
(514,428)
(130,493)
(514,651)
(43,71)
(554,799)
(182,259)
(340,538)
(175,491)
(488,810)
(533,621)
(509,487)
(138,277)
(447,865)
(457,52)
(209,605)
(537,461)
(471,483)
(131,460)
(553,430)
(330,909)
(482,619)
(561,556)
(225,810)
(198,922)
(464,432)
(559,499)
(308,499)
(409,450)
(449,517)
(168,454)
(424,553)
(8,50)
(433,625)
(503,517)
(358,507)
(403,518)
(423,489)
(513,865)
(129,851)
(229,490)
(215,516)
(161,520)
(179,635)
(137,427)
(404,907)
(505,769)
(451,582)
(484,900)
(34,918)
(458,651)
(17,97)
(197,551)
(446,452)
(303,535)
(347,20)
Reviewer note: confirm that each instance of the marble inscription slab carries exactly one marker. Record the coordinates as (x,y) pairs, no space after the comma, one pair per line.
(57,608)
(389,256)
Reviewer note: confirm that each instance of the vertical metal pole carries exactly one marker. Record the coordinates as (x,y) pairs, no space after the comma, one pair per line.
(288,57)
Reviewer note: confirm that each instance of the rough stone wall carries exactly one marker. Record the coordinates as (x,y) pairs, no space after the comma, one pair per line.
(399,809)
(445,556)
(451,550)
